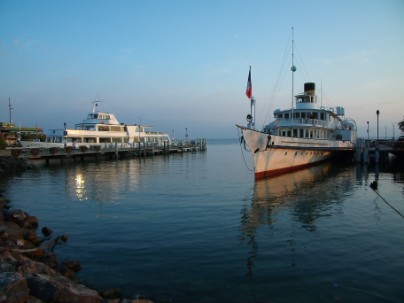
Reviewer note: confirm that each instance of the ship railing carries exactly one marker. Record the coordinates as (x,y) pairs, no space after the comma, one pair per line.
(304,122)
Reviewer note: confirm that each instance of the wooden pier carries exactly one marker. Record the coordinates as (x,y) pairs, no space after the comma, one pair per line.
(112,151)
(378,151)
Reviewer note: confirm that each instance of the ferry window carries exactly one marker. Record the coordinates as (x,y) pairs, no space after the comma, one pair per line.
(280,116)
(286,116)
(115,128)
(105,140)
(289,133)
(283,133)
(295,133)
(322,116)
(301,134)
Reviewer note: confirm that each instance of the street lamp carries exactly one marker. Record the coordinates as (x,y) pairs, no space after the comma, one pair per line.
(368,129)
(377,114)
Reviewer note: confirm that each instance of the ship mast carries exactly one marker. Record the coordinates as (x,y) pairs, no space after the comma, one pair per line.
(293,68)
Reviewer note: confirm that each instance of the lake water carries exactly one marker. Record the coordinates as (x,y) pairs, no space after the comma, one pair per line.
(195,227)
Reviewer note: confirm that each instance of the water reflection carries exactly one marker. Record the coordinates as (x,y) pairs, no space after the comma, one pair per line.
(102,183)
(298,199)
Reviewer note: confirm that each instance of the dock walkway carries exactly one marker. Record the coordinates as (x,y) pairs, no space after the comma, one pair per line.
(111,151)
(377,150)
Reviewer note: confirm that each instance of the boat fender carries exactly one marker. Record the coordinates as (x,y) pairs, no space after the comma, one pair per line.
(373,185)
(268,142)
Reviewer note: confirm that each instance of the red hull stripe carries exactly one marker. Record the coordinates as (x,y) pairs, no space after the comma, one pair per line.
(271,173)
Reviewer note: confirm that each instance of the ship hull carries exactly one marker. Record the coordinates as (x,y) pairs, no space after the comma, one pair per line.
(274,155)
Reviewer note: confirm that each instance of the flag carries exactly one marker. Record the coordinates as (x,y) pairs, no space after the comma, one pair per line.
(248,91)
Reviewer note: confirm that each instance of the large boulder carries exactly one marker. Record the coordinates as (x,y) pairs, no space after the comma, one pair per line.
(13,288)
(60,289)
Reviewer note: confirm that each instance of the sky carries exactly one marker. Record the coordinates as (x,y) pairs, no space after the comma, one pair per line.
(184,64)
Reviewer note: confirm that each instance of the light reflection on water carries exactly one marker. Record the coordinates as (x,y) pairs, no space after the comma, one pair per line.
(196,228)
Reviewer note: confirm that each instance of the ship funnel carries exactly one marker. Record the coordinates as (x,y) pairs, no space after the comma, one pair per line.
(310,88)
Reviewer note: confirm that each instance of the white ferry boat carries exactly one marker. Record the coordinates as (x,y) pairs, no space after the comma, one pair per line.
(100,129)
(298,137)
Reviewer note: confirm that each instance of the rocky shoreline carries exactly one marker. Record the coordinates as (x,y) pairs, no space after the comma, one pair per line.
(29,269)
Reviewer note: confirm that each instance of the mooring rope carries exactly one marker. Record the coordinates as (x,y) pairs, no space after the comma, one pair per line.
(397,211)
(242,152)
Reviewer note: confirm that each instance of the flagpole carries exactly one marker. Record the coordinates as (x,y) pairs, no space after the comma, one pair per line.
(250,117)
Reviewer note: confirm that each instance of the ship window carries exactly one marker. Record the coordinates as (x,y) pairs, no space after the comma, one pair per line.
(289,133)
(287,116)
(295,133)
(105,140)
(301,133)
(115,128)
(303,115)
(280,116)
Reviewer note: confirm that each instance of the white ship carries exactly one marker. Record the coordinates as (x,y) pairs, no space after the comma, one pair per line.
(100,129)
(300,136)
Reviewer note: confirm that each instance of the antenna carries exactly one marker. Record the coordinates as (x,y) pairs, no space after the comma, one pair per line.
(10,108)
(95,104)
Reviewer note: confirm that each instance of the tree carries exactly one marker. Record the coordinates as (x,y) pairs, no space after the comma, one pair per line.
(401,125)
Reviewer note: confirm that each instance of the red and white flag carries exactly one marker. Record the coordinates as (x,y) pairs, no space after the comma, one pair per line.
(248,91)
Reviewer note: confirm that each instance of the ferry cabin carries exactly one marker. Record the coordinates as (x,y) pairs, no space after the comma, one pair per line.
(106,134)
(104,129)
(309,121)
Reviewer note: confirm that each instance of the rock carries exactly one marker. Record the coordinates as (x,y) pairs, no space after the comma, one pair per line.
(46,231)
(32,237)
(13,288)
(21,218)
(7,267)
(111,293)
(73,265)
(60,289)
(69,268)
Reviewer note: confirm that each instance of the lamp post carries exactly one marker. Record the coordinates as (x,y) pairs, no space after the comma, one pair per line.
(368,129)
(377,114)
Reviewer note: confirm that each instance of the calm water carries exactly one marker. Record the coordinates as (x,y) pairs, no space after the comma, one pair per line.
(196,228)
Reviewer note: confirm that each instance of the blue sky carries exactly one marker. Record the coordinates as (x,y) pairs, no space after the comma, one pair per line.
(177,64)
